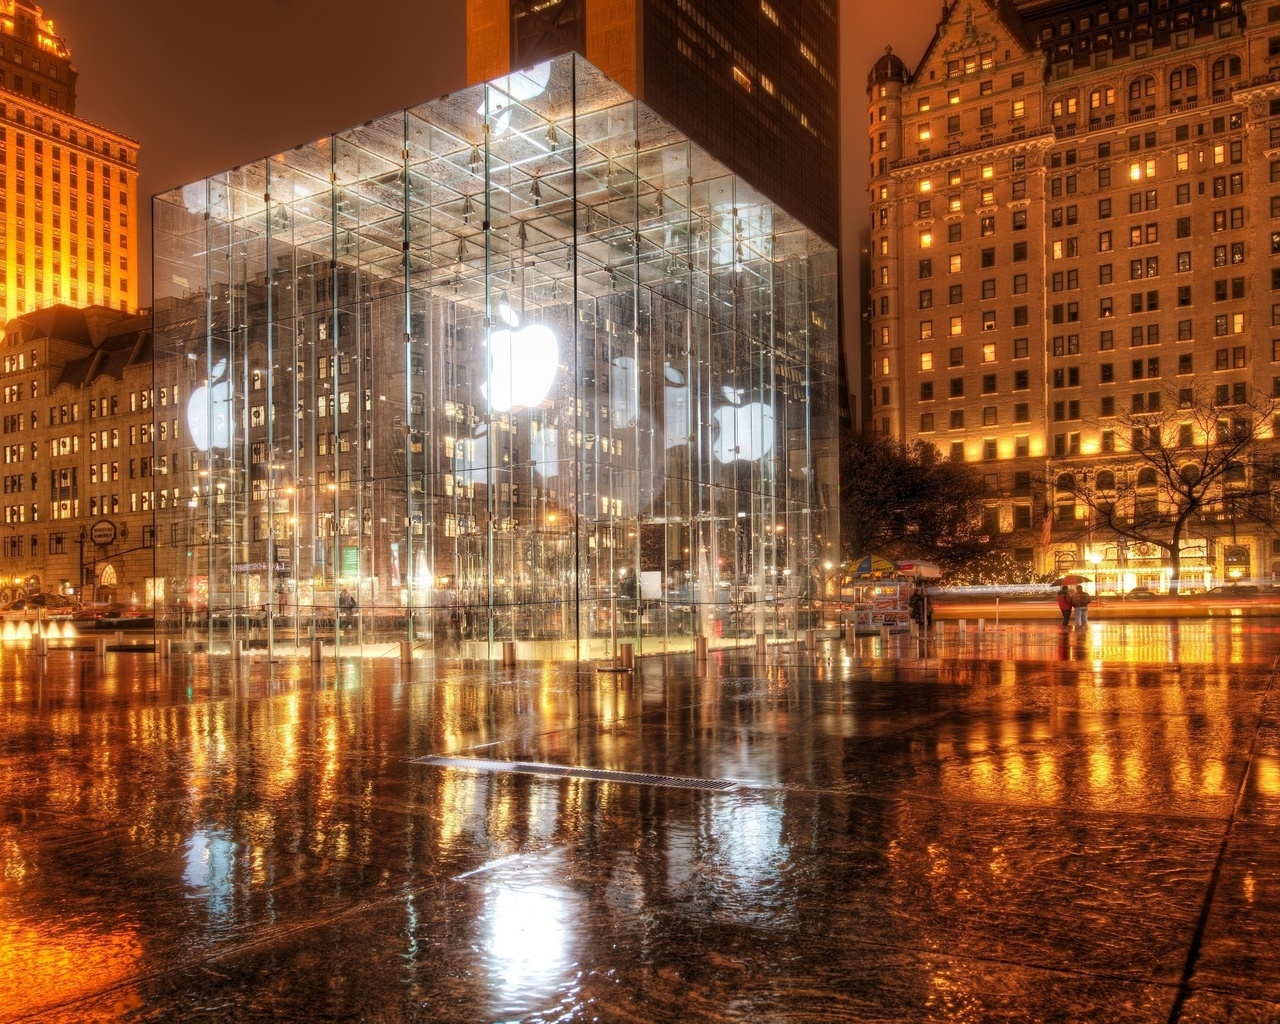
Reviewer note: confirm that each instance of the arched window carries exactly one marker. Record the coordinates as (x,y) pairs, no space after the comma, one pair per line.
(1147,478)
(1140,87)
(1182,84)
(1106,480)
(1104,96)
(1226,67)
(1066,483)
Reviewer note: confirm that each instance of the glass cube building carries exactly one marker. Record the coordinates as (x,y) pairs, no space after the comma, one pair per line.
(522,363)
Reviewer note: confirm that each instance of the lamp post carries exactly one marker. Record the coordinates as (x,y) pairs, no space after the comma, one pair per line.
(1095,557)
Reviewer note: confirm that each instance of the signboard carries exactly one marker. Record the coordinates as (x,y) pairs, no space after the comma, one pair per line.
(350,562)
(103,532)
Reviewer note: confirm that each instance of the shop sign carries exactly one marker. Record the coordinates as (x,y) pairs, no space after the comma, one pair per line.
(103,532)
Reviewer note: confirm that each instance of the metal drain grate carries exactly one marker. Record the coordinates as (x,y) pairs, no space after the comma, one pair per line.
(571,772)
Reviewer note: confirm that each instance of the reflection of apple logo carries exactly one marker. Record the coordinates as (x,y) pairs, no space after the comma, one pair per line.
(471,457)
(743,432)
(519,87)
(677,428)
(522,363)
(209,412)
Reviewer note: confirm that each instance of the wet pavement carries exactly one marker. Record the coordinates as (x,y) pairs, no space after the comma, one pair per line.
(1014,825)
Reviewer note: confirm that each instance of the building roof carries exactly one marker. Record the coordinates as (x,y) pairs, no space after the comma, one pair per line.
(889,68)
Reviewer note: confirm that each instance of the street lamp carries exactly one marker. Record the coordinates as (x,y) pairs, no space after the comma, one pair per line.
(1095,557)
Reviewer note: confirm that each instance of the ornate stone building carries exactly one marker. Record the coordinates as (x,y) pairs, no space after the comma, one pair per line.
(1075,222)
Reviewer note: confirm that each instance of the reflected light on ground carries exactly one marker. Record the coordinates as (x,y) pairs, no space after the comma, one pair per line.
(528,941)
(40,969)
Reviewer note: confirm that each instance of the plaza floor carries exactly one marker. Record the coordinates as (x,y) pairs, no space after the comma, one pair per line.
(1024,824)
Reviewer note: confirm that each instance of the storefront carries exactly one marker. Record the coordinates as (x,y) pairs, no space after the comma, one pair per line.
(522,363)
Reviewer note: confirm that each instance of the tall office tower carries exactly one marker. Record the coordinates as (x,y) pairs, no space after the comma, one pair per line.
(1062,238)
(752,82)
(68,187)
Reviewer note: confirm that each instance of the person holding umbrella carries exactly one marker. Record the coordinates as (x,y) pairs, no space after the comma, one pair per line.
(1064,605)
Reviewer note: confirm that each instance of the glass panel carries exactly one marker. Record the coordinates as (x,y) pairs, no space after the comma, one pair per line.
(519,364)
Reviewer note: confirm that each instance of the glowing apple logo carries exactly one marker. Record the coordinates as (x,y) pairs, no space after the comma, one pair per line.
(522,363)
(209,412)
(743,432)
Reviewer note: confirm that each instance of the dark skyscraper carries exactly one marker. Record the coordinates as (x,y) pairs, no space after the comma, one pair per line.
(752,81)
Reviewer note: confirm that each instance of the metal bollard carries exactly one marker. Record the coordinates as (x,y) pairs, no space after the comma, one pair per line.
(406,651)
(509,653)
(118,639)
(762,645)
(811,639)
(316,652)
(237,650)
(884,636)
(166,649)
(850,634)
(627,655)
(100,647)
(700,648)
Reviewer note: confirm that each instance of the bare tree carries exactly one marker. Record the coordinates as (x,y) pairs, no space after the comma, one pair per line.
(1180,454)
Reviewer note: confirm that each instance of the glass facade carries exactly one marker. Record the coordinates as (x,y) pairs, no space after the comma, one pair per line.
(521,363)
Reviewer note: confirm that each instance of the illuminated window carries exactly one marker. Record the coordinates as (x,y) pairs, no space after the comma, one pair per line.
(954,264)
(926,185)
(988,170)
(926,360)
(926,239)
(741,78)
(924,134)
(953,96)
(1019,108)
(957,325)
(989,352)
(768,11)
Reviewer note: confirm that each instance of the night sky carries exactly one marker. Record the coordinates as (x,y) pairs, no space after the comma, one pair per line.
(204,87)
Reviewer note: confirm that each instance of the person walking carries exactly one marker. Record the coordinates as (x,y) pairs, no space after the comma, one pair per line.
(1080,602)
(1064,605)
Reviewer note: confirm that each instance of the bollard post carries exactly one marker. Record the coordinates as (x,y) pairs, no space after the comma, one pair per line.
(884,637)
(509,653)
(237,650)
(100,647)
(166,649)
(627,655)
(700,648)
(406,652)
(811,639)
(316,652)
(850,634)
(762,645)
(982,625)
(118,638)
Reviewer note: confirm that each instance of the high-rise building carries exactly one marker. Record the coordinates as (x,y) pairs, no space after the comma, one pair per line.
(68,187)
(1075,219)
(751,82)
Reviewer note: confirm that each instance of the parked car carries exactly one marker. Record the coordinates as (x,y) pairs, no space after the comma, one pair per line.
(1142,592)
(38,606)
(1234,590)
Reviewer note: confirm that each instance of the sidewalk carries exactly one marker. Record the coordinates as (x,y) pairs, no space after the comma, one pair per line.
(1018,825)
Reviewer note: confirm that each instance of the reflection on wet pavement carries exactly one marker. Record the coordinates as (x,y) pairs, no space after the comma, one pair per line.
(980,828)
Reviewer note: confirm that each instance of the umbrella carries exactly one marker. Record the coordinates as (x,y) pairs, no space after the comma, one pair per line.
(921,570)
(874,565)
(1070,581)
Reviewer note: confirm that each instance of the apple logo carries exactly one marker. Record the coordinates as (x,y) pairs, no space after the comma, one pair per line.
(522,363)
(520,87)
(742,432)
(209,412)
